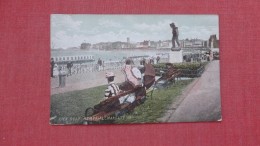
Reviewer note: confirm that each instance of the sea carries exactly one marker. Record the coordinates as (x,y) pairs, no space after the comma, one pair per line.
(116,55)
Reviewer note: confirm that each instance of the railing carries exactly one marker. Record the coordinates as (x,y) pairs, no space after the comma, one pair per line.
(91,67)
(76,69)
(94,67)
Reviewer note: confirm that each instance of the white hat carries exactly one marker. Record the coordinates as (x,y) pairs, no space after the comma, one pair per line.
(109,74)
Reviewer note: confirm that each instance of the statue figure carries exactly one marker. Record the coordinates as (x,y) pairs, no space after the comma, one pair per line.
(175,34)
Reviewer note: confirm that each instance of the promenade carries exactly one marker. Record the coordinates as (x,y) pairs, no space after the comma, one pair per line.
(88,76)
(84,81)
(200,101)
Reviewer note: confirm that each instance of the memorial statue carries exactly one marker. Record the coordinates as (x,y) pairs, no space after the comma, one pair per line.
(175,34)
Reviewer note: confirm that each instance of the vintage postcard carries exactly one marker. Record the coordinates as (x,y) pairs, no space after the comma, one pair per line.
(123,69)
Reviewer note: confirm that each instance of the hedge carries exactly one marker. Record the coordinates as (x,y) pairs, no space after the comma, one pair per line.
(191,70)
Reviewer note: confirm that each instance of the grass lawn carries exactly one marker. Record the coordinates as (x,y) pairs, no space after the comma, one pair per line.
(69,108)
(154,107)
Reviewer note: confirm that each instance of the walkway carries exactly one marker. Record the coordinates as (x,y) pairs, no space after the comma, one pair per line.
(201,99)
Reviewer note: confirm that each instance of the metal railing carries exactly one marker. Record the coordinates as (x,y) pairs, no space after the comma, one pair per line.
(90,67)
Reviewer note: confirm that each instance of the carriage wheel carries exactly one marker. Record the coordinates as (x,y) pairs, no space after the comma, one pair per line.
(89,112)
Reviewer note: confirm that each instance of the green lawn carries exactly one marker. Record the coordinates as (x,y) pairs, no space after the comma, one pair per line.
(69,107)
(154,107)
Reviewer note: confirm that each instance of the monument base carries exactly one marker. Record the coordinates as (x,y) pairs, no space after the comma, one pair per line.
(176,49)
(175,56)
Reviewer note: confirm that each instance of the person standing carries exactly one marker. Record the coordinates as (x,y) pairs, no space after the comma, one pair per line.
(99,64)
(142,62)
(103,65)
(157,59)
(62,77)
(52,66)
(69,66)
(152,60)
(175,35)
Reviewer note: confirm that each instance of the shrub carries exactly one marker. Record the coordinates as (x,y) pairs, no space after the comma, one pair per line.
(188,69)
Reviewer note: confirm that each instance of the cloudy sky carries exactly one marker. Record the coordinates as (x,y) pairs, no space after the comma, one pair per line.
(72,30)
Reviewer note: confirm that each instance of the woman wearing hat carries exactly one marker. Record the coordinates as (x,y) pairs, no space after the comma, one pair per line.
(133,76)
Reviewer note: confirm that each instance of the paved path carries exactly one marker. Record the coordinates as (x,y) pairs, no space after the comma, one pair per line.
(84,81)
(200,100)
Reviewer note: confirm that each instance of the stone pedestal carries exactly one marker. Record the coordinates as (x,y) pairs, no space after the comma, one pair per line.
(175,56)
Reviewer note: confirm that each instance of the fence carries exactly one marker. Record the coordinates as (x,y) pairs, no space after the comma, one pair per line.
(91,67)
(94,67)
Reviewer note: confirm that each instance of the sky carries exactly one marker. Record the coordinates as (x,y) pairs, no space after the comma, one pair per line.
(74,29)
